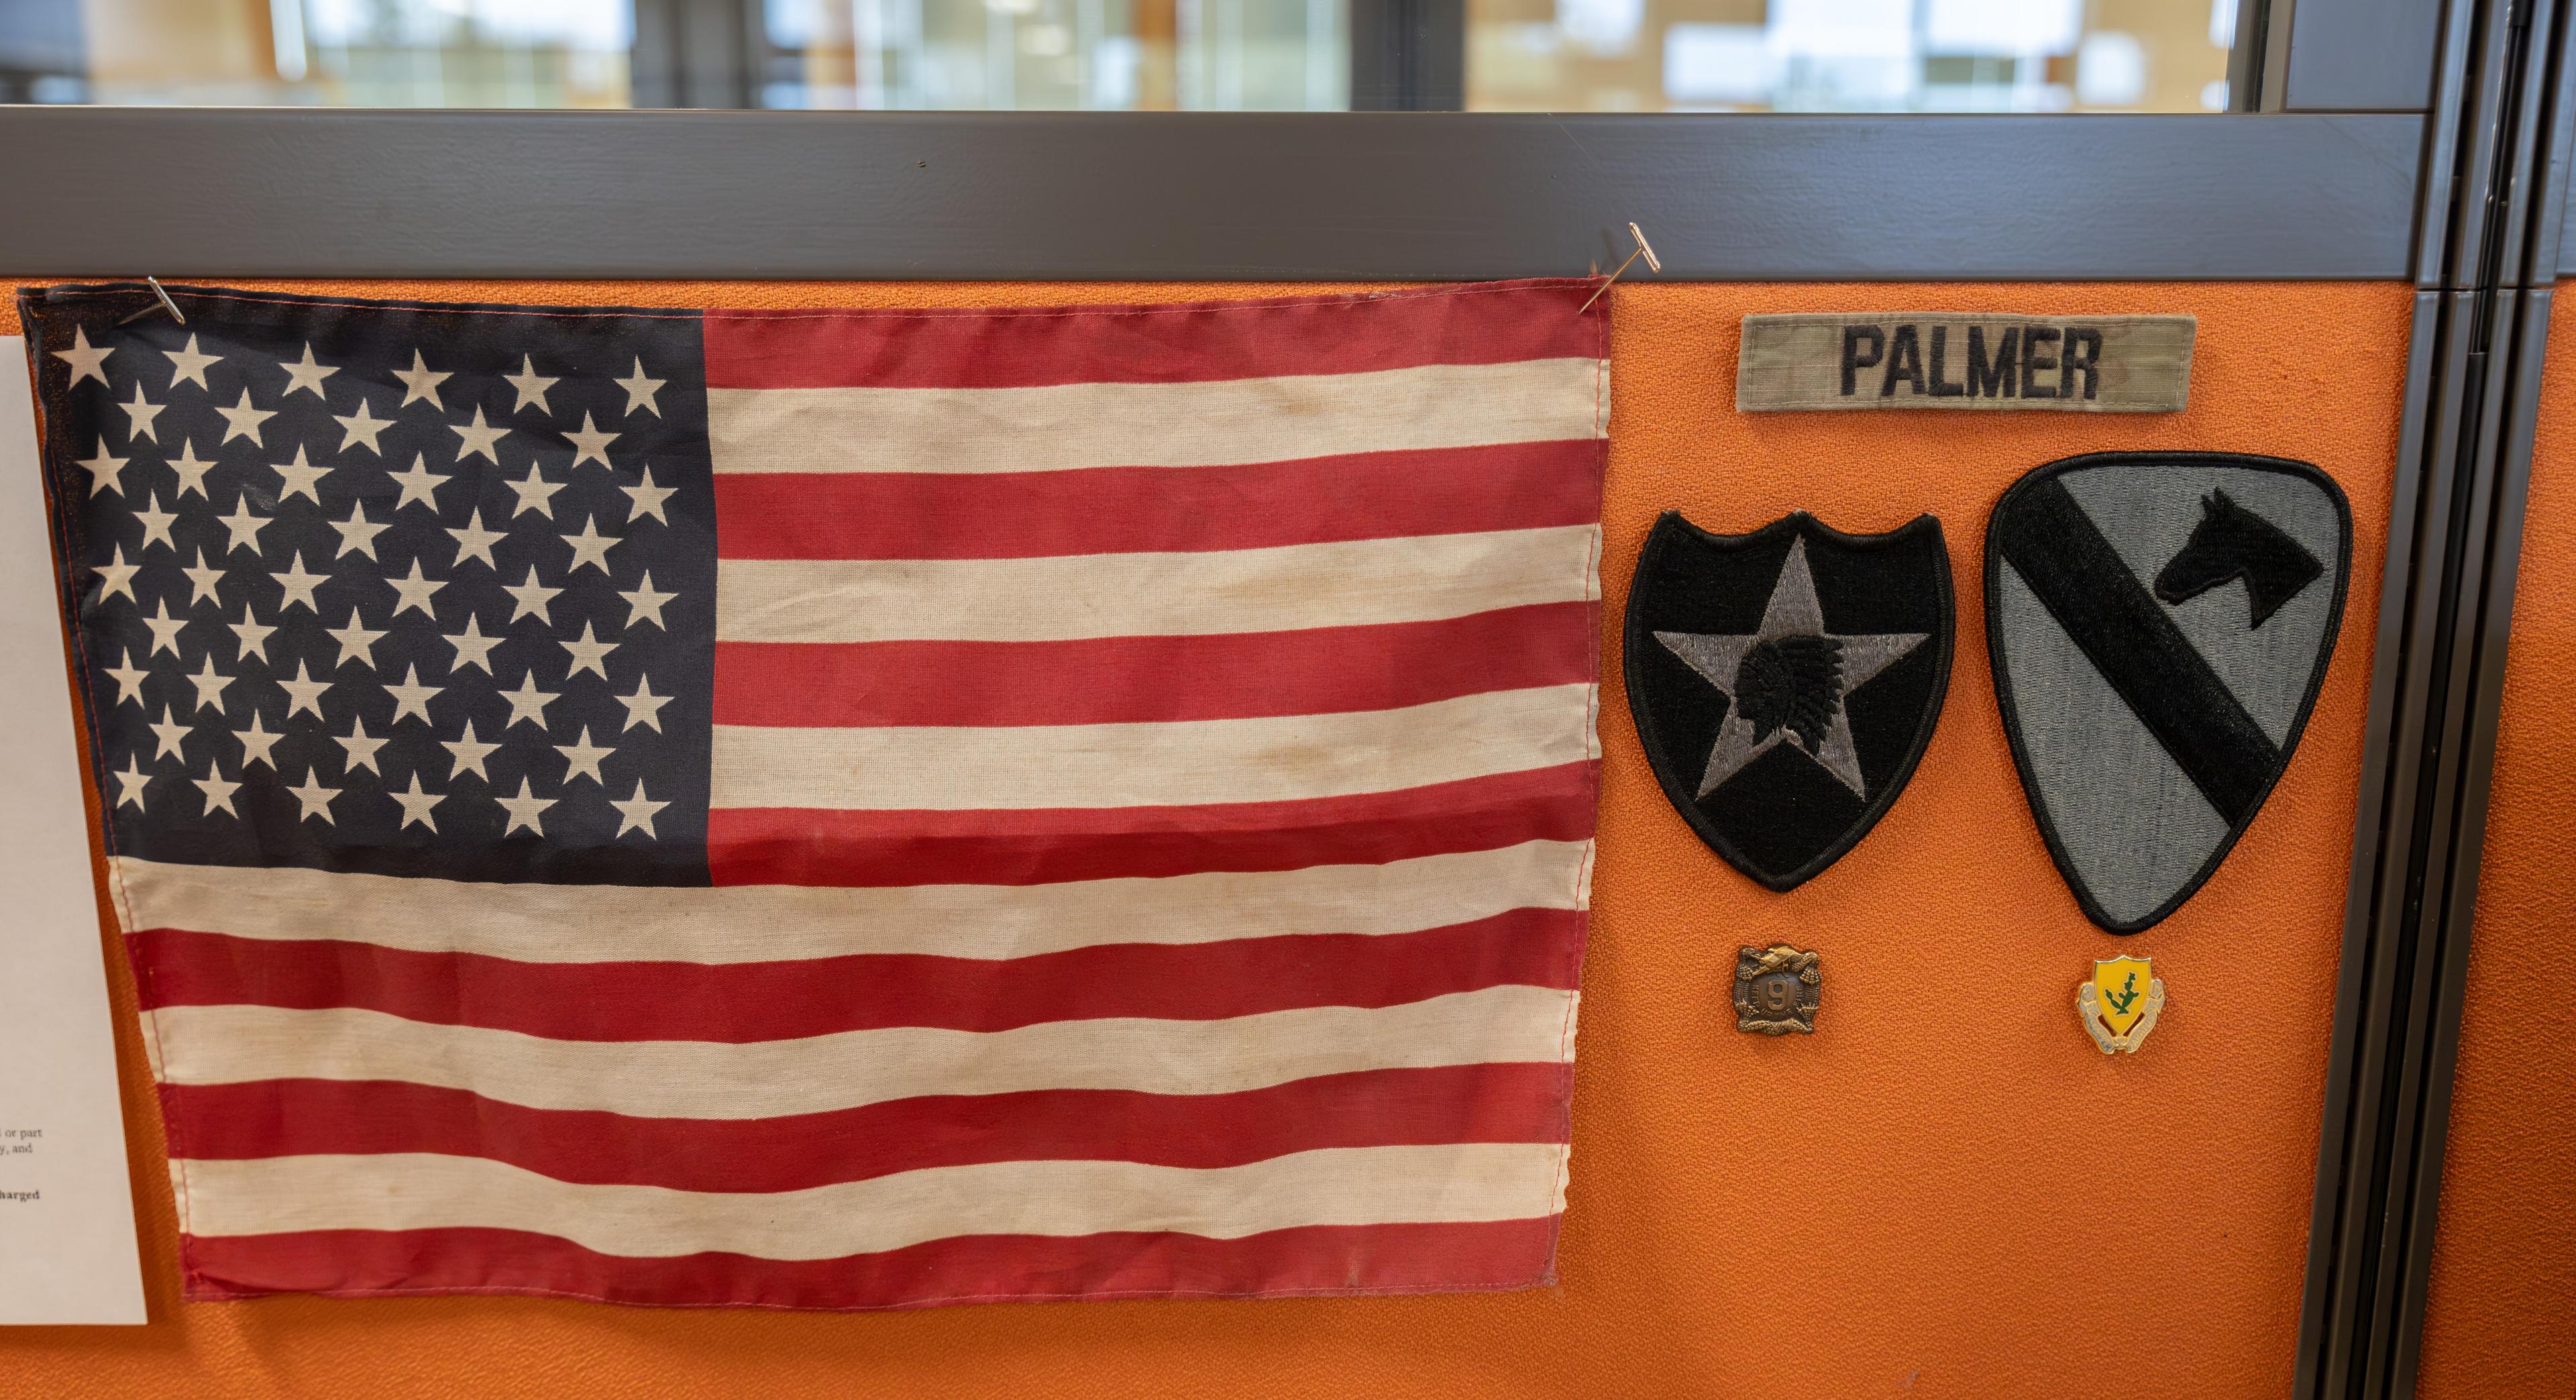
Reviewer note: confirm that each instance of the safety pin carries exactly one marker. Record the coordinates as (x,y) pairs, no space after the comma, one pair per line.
(1644,249)
(181,317)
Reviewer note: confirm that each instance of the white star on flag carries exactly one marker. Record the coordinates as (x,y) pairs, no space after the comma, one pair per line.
(244,525)
(300,478)
(636,813)
(418,484)
(256,743)
(533,599)
(303,693)
(252,635)
(475,540)
(298,583)
(189,367)
(165,630)
(361,429)
(536,494)
(306,374)
(648,498)
(644,602)
(87,362)
(129,679)
(106,472)
(192,471)
(414,593)
(156,525)
(130,784)
(242,420)
(316,798)
(467,753)
(138,417)
(359,747)
(472,647)
(590,444)
(524,809)
(590,547)
(358,533)
(420,382)
(588,654)
(641,392)
(478,439)
(117,577)
(532,387)
(202,578)
(166,734)
(218,790)
(527,703)
(357,642)
(584,758)
(644,707)
(417,804)
(210,684)
(412,698)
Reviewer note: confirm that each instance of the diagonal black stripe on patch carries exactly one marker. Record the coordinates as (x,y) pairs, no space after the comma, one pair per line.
(2088,588)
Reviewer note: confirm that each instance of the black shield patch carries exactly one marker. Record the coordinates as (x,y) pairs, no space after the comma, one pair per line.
(1785,682)
(2160,625)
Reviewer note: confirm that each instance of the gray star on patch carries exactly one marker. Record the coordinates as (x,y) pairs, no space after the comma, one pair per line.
(1784,691)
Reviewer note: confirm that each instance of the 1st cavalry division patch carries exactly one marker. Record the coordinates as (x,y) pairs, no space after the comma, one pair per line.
(2160,624)
(1785,682)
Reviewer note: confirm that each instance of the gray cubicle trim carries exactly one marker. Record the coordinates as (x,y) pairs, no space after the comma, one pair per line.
(2359,55)
(2497,157)
(260,192)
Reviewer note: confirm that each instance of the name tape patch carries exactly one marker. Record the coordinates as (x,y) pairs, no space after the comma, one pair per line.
(2076,364)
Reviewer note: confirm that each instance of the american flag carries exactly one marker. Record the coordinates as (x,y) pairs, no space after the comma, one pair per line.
(842,808)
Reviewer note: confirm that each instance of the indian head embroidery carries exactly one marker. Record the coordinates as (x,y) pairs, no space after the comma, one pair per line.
(1784,682)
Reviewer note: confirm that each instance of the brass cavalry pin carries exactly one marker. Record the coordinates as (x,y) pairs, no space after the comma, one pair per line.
(2119,1005)
(1776,989)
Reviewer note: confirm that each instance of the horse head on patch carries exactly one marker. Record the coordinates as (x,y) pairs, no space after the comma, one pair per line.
(2232,543)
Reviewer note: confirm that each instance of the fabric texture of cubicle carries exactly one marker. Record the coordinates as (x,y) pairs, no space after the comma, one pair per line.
(2496,1321)
(1946,1191)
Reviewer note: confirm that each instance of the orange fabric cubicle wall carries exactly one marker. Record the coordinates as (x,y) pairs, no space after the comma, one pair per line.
(1946,1191)
(2497,1322)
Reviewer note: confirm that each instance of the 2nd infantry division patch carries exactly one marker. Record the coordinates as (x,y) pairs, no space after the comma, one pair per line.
(2160,625)
(1785,682)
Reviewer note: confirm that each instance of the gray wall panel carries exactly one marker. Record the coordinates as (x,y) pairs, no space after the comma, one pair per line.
(2362,55)
(230,193)
(2567,240)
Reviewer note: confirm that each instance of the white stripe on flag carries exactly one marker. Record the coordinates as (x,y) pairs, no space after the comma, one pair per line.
(1206,423)
(786,923)
(1180,763)
(236,1044)
(1348,583)
(1328,1186)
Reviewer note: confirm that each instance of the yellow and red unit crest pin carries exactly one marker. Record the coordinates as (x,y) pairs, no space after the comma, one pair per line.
(2119,1003)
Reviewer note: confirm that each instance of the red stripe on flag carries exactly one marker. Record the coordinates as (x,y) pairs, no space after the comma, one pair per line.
(815,846)
(1118,510)
(1128,680)
(1314,1259)
(1373,1108)
(977,348)
(737,1003)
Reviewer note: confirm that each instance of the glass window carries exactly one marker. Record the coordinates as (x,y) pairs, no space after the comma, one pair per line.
(1277,55)
(1117,55)
(1849,55)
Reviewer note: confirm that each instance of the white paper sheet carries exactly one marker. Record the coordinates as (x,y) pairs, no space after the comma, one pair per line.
(67,1250)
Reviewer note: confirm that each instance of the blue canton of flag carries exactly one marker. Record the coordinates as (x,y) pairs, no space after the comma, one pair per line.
(413,591)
